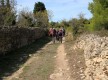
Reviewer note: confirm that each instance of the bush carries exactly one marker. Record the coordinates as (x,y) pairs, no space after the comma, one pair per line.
(69,34)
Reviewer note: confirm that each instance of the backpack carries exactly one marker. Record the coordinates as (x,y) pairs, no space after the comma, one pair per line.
(60,33)
(54,32)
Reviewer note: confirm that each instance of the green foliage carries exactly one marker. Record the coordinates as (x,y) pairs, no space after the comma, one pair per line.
(55,24)
(64,23)
(25,19)
(8,3)
(52,24)
(69,29)
(69,33)
(40,15)
(89,27)
(41,19)
(78,24)
(39,7)
(75,24)
(2,2)
(10,19)
(99,9)
(7,12)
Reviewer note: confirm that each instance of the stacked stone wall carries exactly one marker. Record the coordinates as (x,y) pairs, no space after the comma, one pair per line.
(12,38)
(96,56)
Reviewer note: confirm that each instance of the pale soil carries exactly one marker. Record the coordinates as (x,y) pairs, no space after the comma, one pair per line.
(62,69)
(76,61)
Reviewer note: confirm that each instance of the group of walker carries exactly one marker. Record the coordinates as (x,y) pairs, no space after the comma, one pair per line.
(57,34)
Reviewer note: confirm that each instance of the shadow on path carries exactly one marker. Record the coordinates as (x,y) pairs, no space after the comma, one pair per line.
(12,61)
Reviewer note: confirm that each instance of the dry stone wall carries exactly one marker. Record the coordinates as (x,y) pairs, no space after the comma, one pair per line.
(12,38)
(96,56)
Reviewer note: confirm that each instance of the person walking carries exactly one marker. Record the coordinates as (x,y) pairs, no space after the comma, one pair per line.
(57,36)
(54,35)
(60,33)
(50,33)
(63,31)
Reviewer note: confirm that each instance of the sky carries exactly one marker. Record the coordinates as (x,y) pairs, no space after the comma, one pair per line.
(60,9)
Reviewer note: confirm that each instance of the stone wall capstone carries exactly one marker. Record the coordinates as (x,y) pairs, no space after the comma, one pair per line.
(12,38)
(96,56)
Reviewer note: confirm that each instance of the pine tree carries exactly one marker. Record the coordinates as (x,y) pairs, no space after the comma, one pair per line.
(99,10)
(39,7)
(40,14)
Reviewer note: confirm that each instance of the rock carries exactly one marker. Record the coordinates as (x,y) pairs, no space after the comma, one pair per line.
(73,65)
(103,45)
(30,55)
(96,56)
(55,56)
(82,77)
(81,71)
(79,62)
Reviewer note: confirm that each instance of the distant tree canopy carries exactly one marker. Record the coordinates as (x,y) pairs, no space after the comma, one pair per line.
(40,15)
(37,18)
(99,10)
(7,12)
(52,24)
(39,7)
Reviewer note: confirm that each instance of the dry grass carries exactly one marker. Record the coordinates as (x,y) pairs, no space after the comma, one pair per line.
(11,62)
(42,66)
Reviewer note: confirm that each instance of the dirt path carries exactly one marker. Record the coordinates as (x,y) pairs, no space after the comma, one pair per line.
(52,62)
(62,69)
(76,61)
(39,66)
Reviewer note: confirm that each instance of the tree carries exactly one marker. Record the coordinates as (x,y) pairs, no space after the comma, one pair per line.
(40,15)
(7,13)
(64,23)
(75,24)
(8,3)
(81,20)
(99,9)
(52,24)
(2,2)
(25,18)
(41,19)
(39,7)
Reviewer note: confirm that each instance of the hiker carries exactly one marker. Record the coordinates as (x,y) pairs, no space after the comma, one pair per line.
(50,32)
(57,36)
(63,32)
(54,35)
(60,34)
